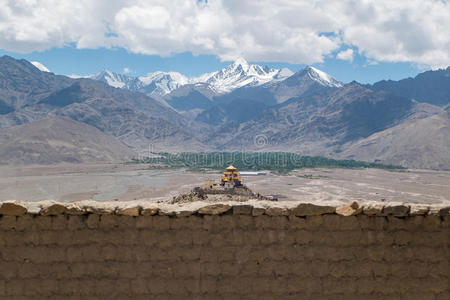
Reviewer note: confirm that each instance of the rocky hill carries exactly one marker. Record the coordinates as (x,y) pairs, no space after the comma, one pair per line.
(431,87)
(247,102)
(59,140)
(320,123)
(22,84)
(422,143)
(134,118)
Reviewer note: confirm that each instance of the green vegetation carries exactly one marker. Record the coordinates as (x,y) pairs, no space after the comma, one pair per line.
(275,161)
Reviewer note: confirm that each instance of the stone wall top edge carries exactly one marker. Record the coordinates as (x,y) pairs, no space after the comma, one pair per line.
(252,207)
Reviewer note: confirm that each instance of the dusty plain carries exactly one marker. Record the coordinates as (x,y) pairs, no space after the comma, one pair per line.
(109,182)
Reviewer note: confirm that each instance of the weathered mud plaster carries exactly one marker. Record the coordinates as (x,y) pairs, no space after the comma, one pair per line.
(227,250)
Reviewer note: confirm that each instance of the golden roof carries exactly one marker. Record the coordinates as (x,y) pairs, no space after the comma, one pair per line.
(231,167)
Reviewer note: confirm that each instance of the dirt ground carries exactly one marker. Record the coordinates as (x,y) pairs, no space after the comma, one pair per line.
(132,182)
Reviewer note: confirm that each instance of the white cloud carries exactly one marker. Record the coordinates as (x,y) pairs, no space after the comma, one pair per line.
(40,66)
(409,31)
(346,55)
(127,70)
(296,31)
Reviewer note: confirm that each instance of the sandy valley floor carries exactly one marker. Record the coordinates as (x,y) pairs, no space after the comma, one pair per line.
(130,182)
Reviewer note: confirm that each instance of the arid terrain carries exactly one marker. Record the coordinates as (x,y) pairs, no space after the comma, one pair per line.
(106,182)
(51,119)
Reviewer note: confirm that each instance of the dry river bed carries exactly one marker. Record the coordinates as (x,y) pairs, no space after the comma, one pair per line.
(133,182)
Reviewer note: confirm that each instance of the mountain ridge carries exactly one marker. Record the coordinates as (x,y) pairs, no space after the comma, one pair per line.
(252,100)
(134,118)
(159,83)
(418,143)
(308,113)
(59,140)
(431,86)
(322,122)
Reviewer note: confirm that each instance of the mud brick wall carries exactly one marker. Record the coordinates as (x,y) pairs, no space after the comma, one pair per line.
(223,251)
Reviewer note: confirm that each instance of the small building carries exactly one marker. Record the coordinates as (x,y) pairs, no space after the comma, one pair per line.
(231,177)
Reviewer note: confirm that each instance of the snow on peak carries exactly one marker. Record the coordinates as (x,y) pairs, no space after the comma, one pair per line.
(240,73)
(322,77)
(116,80)
(160,83)
(203,78)
(157,83)
(40,66)
(284,73)
(113,79)
(241,62)
(160,75)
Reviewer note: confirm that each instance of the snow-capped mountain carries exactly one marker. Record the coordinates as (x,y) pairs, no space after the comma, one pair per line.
(307,81)
(118,80)
(240,80)
(161,83)
(155,84)
(321,77)
(283,74)
(241,73)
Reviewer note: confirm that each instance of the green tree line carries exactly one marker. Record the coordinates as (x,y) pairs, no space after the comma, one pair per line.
(274,161)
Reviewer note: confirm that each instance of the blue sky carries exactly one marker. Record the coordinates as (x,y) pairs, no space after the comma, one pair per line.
(364,41)
(69,60)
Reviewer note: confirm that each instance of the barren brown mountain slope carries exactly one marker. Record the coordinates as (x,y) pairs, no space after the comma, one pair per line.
(422,143)
(58,140)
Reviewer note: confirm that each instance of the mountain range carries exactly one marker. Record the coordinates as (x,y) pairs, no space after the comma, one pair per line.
(241,107)
(133,118)
(430,86)
(159,84)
